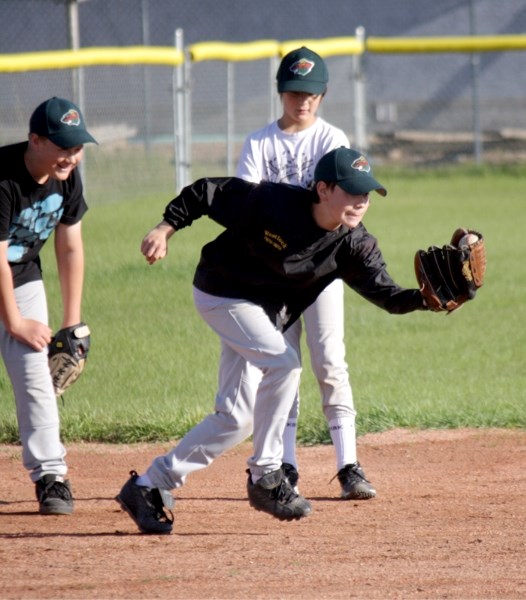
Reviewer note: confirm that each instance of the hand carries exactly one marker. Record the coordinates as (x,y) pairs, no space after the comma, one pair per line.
(154,246)
(33,333)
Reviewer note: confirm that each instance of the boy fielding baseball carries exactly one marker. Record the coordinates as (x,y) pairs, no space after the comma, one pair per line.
(281,247)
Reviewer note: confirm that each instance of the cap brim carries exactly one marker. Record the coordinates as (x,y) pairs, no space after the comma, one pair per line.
(308,87)
(71,139)
(357,186)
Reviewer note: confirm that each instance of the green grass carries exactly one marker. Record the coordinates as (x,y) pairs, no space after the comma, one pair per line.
(152,370)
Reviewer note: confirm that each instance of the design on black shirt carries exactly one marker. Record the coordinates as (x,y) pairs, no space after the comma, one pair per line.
(33,226)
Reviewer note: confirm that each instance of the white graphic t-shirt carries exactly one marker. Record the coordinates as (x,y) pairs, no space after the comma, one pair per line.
(270,154)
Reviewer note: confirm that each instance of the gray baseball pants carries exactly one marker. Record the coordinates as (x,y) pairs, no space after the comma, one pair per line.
(324,327)
(247,336)
(36,403)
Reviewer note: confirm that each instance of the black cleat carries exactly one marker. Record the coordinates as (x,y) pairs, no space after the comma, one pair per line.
(273,494)
(54,495)
(354,484)
(146,506)
(291,473)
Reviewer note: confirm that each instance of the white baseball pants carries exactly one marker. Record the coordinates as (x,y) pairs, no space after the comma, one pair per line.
(324,326)
(247,336)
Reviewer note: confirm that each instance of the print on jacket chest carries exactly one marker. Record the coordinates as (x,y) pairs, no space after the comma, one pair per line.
(274,239)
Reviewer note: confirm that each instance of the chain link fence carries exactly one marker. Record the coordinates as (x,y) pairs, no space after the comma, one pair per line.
(420,109)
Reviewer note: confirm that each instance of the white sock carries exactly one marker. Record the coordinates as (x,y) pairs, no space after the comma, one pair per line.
(343,435)
(289,443)
(144,481)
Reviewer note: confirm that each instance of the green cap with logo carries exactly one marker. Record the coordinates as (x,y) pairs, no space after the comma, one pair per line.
(61,122)
(302,70)
(350,170)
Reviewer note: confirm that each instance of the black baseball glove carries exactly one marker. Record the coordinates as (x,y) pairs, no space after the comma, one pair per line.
(67,354)
(451,275)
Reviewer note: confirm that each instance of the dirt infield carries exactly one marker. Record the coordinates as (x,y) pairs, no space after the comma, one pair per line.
(449,522)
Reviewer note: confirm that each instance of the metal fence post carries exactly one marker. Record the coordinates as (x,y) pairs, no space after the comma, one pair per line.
(359,105)
(145,19)
(187,107)
(475,96)
(179,118)
(77,82)
(230,120)
(275,100)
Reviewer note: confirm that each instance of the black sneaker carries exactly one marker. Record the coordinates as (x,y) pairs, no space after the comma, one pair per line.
(146,506)
(54,495)
(354,484)
(273,494)
(291,473)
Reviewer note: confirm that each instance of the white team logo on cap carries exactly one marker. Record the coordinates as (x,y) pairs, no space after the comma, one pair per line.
(303,66)
(72,117)
(361,164)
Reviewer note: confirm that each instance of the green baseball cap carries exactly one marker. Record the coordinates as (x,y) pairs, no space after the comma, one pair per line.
(302,70)
(61,122)
(350,170)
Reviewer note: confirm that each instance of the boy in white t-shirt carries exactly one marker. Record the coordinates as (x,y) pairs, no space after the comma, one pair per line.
(287,151)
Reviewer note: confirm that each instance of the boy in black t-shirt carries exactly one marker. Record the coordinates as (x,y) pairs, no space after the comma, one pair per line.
(41,193)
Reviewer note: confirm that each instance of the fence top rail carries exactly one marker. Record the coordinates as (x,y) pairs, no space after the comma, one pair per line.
(336,46)
(475,43)
(87,57)
(256,50)
(230,51)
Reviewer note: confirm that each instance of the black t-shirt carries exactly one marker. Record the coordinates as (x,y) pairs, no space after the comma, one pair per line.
(29,212)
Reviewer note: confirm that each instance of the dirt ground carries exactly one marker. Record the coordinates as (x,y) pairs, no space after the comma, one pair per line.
(449,522)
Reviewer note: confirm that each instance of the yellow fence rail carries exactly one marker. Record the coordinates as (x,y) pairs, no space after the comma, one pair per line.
(489,43)
(257,50)
(326,47)
(233,52)
(90,57)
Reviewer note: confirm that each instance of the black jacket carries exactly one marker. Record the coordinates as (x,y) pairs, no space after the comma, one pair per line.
(273,253)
